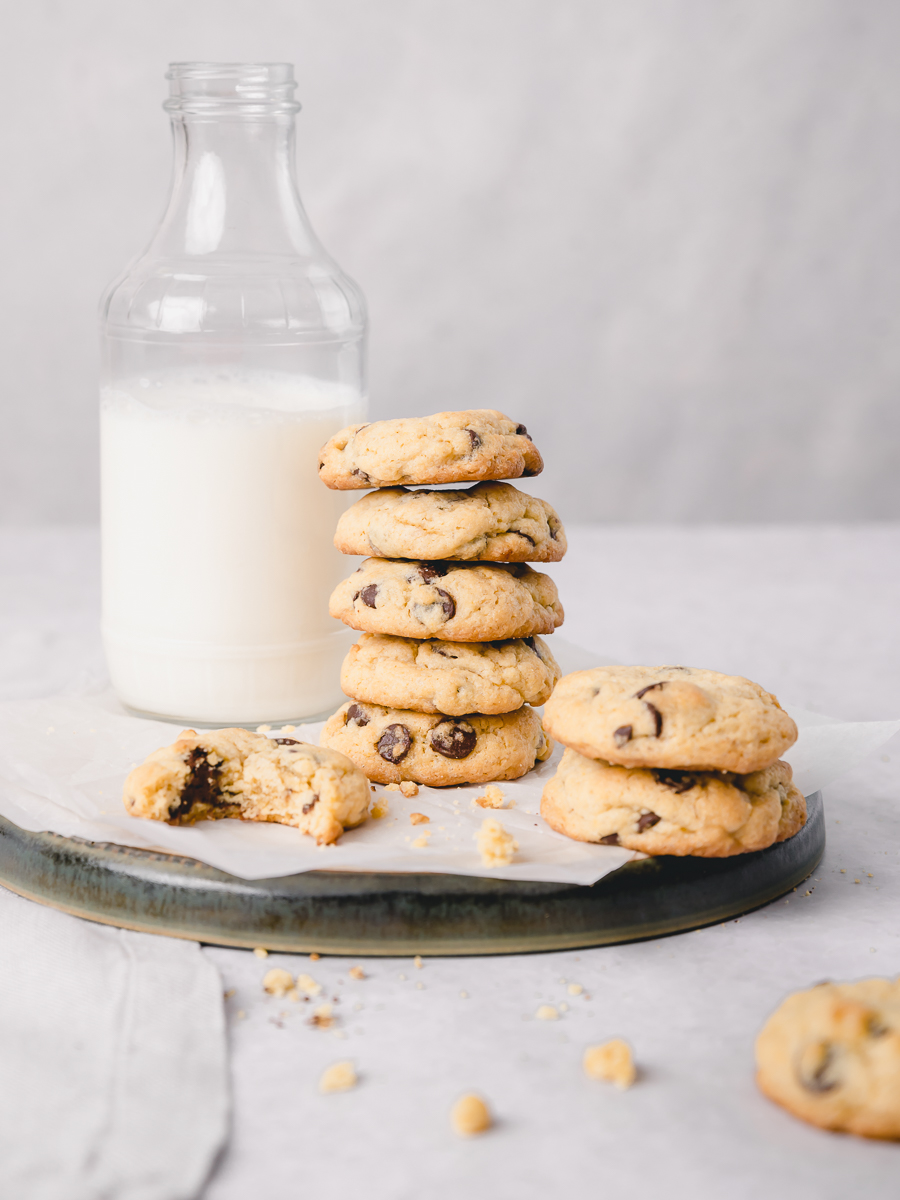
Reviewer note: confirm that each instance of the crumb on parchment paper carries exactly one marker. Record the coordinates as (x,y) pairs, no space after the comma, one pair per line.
(323,1016)
(419,819)
(611,1062)
(493,797)
(495,845)
(261,952)
(470,1115)
(307,985)
(409,789)
(379,808)
(339,1077)
(547,1012)
(421,842)
(277,982)
(356,973)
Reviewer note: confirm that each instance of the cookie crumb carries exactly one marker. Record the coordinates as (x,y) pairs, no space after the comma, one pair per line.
(421,842)
(227,995)
(307,984)
(240,1014)
(463,995)
(379,808)
(260,952)
(288,728)
(277,982)
(409,789)
(322,1017)
(417,962)
(610,1062)
(495,845)
(314,957)
(547,1012)
(492,798)
(264,729)
(339,1077)
(470,1115)
(392,787)
(356,973)
(418,819)
(574,989)
(293,995)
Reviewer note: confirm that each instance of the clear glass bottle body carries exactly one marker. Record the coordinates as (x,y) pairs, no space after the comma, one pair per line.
(232,349)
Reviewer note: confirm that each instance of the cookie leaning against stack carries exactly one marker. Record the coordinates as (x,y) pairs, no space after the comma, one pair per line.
(450,659)
(671,760)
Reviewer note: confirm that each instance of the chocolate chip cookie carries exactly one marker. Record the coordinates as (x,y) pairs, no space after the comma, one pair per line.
(831,1056)
(454,678)
(669,717)
(709,814)
(449,447)
(394,744)
(490,522)
(233,773)
(452,601)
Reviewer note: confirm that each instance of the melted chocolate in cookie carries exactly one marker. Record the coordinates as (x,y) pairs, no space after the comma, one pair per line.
(307,808)
(611,839)
(286,741)
(647,820)
(202,786)
(622,735)
(476,440)
(657,717)
(394,743)
(356,715)
(453,739)
(678,781)
(368,594)
(813,1075)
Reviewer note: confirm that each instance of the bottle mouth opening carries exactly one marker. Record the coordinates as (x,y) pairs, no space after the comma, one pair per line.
(238,89)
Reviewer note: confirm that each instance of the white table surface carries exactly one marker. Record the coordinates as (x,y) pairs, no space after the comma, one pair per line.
(809,612)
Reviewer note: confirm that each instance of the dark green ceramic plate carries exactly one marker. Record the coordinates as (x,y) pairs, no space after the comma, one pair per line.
(359,913)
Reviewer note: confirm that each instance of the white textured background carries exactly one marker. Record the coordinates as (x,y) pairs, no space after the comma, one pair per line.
(663,233)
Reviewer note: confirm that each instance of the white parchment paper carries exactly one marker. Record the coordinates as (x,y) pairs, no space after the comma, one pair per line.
(63,761)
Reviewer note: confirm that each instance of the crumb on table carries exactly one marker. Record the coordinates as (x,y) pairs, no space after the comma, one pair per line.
(277,982)
(339,1077)
(547,1012)
(356,973)
(611,1062)
(421,842)
(323,1016)
(260,952)
(417,962)
(574,989)
(419,819)
(408,788)
(308,985)
(495,845)
(492,798)
(470,1115)
(379,808)
(392,787)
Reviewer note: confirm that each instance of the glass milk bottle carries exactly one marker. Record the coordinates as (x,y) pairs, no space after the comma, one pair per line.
(233,348)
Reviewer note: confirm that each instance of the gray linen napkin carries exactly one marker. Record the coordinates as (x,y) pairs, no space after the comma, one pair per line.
(113,1063)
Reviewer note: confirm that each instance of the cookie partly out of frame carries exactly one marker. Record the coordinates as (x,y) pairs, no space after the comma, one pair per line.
(707,814)
(464,602)
(394,744)
(233,773)
(490,522)
(448,447)
(669,717)
(454,678)
(831,1056)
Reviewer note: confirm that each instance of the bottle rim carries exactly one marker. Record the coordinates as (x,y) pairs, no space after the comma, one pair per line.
(231,89)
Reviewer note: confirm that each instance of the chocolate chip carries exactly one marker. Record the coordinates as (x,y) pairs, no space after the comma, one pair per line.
(476,440)
(202,786)
(525,536)
(430,571)
(875,1029)
(394,743)
(363,476)
(554,528)
(622,735)
(321,465)
(312,804)
(368,594)
(529,641)
(453,739)
(611,839)
(355,597)
(286,741)
(678,781)
(647,820)
(816,1079)
(444,653)
(648,688)
(657,717)
(356,715)
(448,604)
(523,431)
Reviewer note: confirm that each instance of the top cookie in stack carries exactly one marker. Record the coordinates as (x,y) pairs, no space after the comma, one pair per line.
(449,612)
(671,760)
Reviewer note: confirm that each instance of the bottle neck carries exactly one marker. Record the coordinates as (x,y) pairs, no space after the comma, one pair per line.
(234,191)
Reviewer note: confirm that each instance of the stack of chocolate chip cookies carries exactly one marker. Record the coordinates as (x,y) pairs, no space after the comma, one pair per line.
(450,661)
(671,760)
